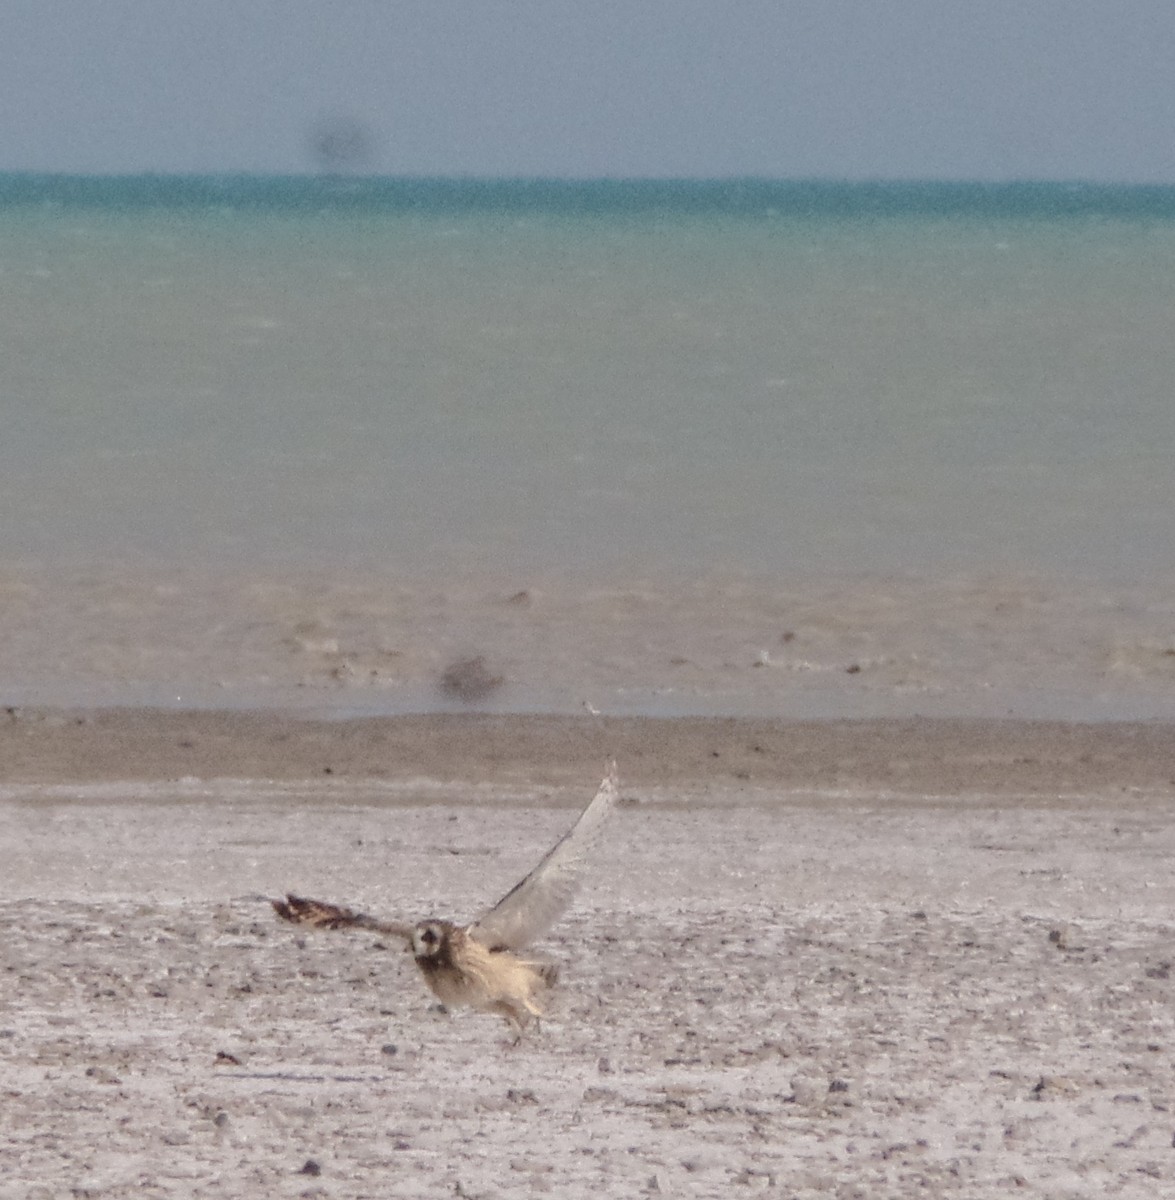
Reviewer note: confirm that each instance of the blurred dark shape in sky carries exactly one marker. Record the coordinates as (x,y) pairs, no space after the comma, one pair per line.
(342,144)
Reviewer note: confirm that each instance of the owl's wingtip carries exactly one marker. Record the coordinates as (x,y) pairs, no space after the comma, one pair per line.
(610,786)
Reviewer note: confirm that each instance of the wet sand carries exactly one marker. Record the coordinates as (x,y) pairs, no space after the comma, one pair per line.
(623,643)
(817,959)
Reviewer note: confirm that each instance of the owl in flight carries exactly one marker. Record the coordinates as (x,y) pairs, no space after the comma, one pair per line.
(479,965)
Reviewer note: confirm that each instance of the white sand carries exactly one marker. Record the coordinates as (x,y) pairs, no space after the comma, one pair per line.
(859,991)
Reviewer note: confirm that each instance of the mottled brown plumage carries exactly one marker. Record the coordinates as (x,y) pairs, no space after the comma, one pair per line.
(322,915)
(477,965)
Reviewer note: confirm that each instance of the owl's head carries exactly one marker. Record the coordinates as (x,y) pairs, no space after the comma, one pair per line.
(429,939)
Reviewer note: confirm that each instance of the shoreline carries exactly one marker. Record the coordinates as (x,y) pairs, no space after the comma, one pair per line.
(891,756)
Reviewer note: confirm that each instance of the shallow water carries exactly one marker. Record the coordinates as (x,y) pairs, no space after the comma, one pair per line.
(349,643)
(241,432)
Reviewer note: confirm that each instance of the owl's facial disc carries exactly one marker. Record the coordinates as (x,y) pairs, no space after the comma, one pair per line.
(427,939)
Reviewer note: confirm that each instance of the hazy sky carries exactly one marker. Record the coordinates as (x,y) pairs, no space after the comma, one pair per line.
(991,89)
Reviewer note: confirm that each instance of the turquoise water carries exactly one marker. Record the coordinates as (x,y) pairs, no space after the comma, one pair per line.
(755,198)
(664,384)
(784,377)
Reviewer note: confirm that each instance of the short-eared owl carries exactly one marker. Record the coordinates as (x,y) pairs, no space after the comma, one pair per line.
(477,964)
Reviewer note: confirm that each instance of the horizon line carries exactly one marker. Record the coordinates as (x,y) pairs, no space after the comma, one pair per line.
(309,175)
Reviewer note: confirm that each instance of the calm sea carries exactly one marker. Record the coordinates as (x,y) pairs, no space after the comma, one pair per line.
(616,437)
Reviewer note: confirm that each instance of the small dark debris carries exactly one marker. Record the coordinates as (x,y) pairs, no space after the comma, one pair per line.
(389,1048)
(838,1085)
(102,1075)
(328,770)
(521,598)
(853,669)
(469,679)
(310,1167)
(225,1059)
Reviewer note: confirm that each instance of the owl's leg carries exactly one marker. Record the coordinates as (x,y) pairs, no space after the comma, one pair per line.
(513,1017)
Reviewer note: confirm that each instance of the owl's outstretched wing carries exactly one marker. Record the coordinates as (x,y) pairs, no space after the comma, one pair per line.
(321,915)
(532,906)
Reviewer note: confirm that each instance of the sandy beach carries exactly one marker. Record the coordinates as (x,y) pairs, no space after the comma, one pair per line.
(849,959)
